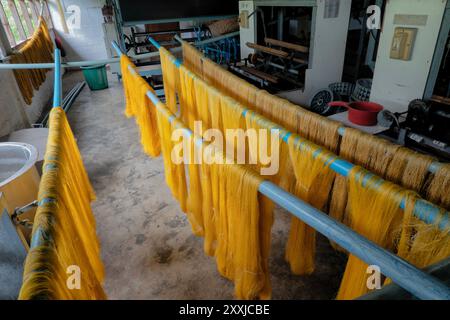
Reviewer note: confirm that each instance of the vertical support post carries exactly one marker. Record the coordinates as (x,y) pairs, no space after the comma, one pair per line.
(57,91)
(441,45)
(280,23)
(17,20)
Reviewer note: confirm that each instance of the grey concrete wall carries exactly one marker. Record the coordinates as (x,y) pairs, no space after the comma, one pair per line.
(81,43)
(14,112)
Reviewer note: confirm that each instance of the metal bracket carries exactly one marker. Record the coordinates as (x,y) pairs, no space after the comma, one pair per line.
(21,210)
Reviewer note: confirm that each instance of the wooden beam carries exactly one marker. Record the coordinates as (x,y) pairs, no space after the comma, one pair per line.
(440,99)
(260,74)
(287,45)
(26,17)
(6,26)
(298,60)
(17,20)
(274,52)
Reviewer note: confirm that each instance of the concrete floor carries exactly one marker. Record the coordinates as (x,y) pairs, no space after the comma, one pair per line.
(148,249)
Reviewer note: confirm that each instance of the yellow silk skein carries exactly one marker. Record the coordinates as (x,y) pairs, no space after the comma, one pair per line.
(37,49)
(64,224)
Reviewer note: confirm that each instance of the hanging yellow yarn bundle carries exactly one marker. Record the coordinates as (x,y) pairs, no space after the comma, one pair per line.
(64,224)
(192,58)
(314,181)
(439,189)
(171,79)
(390,161)
(37,49)
(224,206)
(398,165)
(374,212)
(128,71)
(187,97)
(174,172)
(423,244)
(222,109)
(140,106)
(242,226)
(301,245)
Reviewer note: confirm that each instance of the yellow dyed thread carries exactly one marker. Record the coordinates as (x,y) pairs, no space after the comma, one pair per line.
(139,105)
(64,216)
(398,165)
(314,181)
(37,49)
(439,189)
(423,244)
(220,112)
(174,172)
(233,217)
(374,212)
(389,161)
(214,109)
(311,126)
(170,78)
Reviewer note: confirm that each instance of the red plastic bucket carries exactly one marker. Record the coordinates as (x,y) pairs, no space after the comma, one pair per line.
(363,113)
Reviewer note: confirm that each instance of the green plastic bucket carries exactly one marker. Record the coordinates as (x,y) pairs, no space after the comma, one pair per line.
(96,77)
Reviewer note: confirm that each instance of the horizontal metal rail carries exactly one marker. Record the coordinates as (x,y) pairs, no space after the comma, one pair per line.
(403,273)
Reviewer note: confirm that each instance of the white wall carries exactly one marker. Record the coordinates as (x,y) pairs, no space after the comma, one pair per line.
(397,82)
(85,42)
(327,50)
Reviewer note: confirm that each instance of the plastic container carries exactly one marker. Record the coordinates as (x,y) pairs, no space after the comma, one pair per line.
(96,77)
(361,112)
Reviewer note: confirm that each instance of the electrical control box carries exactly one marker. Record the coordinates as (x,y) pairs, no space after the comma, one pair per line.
(403,43)
(243,19)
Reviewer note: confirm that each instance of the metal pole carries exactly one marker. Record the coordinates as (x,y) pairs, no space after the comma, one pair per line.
(75,64)
(406,275)
(57,90)
(423,209)
(392,291)
(280,23)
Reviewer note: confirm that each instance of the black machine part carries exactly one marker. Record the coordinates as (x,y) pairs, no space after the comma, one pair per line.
(429,119)
(137,11)
(319,101)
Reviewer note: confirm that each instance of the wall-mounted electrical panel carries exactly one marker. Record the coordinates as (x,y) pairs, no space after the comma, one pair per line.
(403,43)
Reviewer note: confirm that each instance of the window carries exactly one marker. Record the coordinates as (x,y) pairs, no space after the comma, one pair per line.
(20,18)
